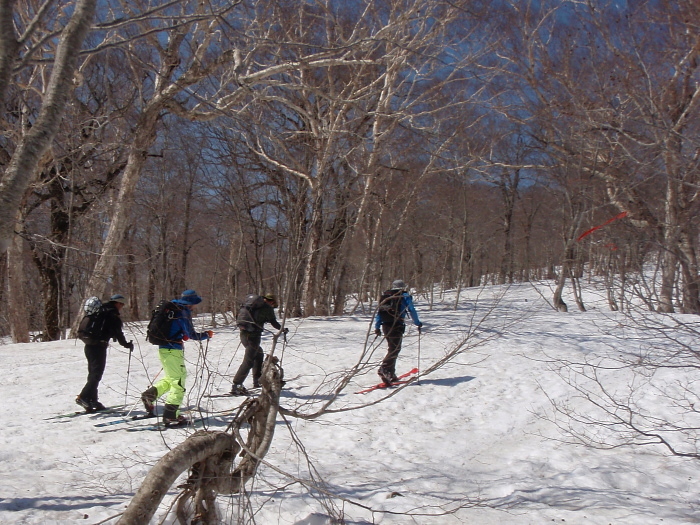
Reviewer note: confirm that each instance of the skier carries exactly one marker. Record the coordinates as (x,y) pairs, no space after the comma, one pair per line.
(110,327)
(172,357)
(391,312)
(254,313)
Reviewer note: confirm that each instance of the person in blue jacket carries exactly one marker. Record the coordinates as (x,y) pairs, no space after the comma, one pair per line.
(391,313)
(172,357)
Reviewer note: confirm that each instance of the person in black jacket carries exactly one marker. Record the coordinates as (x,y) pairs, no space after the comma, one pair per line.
(96,352)
(252,316)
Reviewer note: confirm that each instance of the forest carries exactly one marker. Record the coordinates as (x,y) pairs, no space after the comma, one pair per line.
(321,149)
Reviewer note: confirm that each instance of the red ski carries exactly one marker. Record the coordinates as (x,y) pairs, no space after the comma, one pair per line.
(394,383)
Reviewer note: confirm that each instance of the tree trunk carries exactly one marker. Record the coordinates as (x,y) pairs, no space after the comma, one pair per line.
(9,47)
(566,269)
(17,306)
(181,279)
(312,256)
(668,261)
(143,140)
(691,279)
(509,195)
(559,303)
(132,281)
(32,146)
(464,255)
(197,448)
(50,289)
(210,457)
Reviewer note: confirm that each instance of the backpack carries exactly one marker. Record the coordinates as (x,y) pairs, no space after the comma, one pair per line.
(92,305)
(161,322)
(246,319)
(389,308)
(92,326)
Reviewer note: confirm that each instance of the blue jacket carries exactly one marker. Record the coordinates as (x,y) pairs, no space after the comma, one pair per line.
(405,307)
(182,328)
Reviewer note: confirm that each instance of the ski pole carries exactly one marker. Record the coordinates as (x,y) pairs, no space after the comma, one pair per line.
(203,357)
(128,371)
(284,342)
(419,334)
(139,399)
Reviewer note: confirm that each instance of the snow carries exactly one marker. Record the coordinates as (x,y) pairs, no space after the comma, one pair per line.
(475,441)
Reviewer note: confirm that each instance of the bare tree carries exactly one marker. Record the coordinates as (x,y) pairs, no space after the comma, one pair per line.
(323,135)
(623,127)
(37,140)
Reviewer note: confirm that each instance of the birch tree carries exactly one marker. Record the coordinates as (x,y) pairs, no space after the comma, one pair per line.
(341,122)
(54,44)
(25,158)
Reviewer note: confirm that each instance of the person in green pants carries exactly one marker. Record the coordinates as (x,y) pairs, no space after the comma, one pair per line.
(172,357)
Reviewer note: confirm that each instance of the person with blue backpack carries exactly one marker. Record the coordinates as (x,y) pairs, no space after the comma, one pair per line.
(394,304)
(174,328)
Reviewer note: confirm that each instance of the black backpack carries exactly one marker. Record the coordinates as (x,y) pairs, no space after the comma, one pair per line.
(92,327)
(246,319)
(389,308)
(161,322)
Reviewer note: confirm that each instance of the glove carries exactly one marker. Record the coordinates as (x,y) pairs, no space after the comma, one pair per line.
(185,337)
(377,332)
(210,334)
(419,328)
(285,331)
(130,346)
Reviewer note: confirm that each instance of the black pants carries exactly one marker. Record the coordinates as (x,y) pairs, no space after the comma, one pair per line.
(394,335)
(97,360)
(253,357)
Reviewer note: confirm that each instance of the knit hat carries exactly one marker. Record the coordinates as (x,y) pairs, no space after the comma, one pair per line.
(398,285)
(118,298)
(190,297)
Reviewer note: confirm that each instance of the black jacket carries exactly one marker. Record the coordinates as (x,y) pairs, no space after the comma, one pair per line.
(253,315)
(113,325)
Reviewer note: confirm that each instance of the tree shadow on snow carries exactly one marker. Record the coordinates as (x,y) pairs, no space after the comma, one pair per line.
(447,381)
(309,397)
(57,504)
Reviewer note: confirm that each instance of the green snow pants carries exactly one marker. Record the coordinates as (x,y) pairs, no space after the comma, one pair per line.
(175,373)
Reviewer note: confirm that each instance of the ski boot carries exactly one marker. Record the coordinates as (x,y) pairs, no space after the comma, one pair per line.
(96,406)
(85,404)
(149,399)
(387,376)
(171,419)
(238,390)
